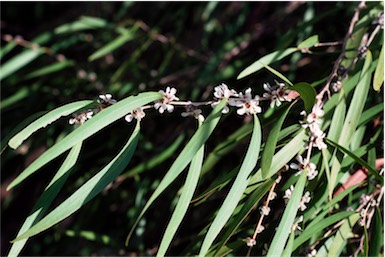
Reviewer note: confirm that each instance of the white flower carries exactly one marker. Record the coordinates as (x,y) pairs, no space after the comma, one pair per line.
(288,193)
(106,99)
(313,123)
(278,179)
(168,96)
(273,196)
(364,198)
(313,253)
(137,113)
(222,91)
(250,242)
(194,112)
(260,228)
(277,94)
(81,118)
(296,226)
(304,164)
(264,210)
(304,200)
(248,104)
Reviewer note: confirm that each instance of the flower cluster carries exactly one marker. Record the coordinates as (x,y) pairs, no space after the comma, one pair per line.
(304,200)
(137,113)
(312,123)
(304,164)
(81,117)
(277,94)
(166,102)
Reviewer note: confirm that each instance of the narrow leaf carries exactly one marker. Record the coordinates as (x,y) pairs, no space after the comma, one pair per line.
(378,79)
(309,42)
(237,189)
(116,43)
(45,200)
(49,69)
(353,115)
(271,143)
(289,245)
(307,94)
(250,204)
(184,201)
(343,234)
(285,225)
(357,159)
(377,234)
(319,226)
(45,120)
(189,151)
(267,60)
(88,190)
(92,126)
(18,62)
(277,73)
(84,23)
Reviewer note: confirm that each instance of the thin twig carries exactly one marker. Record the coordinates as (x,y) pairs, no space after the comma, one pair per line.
(337,63)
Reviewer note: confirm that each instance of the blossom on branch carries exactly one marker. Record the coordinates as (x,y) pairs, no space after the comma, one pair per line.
(277,94)
(137,113)
(165,103)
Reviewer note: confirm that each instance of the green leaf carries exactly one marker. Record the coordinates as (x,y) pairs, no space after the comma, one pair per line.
(307,94)
(18,62)
(116,43)
(88,190)
(271,143)
(343,234)
(45,200)
(377,234)
(285,225)
(317,227)
(92,126)
(353,115)
(189,151)
(14,98)
(237,189)
(357,159)
(250,204)
(184,201)
(267,60)
(84,23)
(289,245)
(45,120)
(378,79)
(309,42)
(49,69)
(280,159)
(277,73)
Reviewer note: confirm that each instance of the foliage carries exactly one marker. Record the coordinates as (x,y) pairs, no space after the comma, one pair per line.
(284,156)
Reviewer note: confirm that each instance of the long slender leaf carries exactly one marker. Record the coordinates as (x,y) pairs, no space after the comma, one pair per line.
(89,190)
(247,207)
(378,79)
(271,143)
(45,120)
(289,246)
(184,201)
(319,226)
(49,69)
(353,116)
(84,23)
(116,43)
(237,189)
(357,159)
(309,42)
(267,60)
(279,241)
(277,73)
(45,200)
(343,234)
(189,151)
(18,62)
(92,126)
(377,235)
(281,158)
